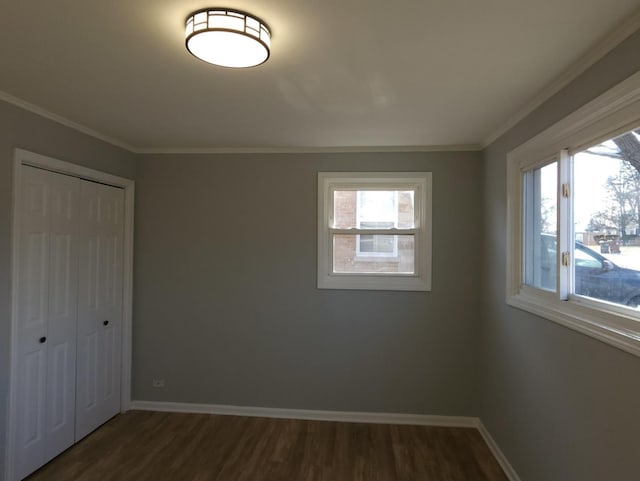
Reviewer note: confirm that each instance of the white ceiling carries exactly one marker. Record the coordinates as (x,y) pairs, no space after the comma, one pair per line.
(342,73)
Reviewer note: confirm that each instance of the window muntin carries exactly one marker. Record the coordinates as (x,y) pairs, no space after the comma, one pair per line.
(373,230)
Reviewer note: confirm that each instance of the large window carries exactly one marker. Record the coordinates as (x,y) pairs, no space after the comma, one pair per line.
(574,220)
(374,230)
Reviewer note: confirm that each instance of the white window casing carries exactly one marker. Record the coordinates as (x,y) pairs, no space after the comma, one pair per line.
(417,182)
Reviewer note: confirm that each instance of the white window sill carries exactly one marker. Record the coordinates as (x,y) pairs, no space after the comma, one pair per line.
(395,282)
(608,324)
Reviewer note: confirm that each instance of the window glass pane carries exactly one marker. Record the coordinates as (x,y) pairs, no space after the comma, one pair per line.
(606,217)
(376,244)
(373,254)
(541,221)
(377,206)
(355,208)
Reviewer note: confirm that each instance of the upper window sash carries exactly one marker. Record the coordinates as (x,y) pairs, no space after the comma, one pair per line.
(367,184)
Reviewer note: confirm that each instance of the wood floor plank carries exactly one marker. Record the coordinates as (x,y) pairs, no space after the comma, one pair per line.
(153,446)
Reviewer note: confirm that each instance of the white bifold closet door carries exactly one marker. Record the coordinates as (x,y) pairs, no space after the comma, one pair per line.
(47,318)
(99,306)
(69,313)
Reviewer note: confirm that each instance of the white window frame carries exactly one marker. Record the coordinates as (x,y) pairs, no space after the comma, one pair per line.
(420,183)
(613,113)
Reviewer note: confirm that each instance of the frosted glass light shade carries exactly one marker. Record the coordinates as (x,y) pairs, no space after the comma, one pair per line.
(229,38)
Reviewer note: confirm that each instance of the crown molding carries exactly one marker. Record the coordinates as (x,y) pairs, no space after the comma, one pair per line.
(23,104)
(598,51)
(312,150)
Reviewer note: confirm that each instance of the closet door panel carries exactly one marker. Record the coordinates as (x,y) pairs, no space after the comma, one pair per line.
(112,323)
(32,326)
(100,306)
(30,435)
(47,298)
(63,312)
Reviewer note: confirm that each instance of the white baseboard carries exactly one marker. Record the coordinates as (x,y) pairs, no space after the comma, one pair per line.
(497,453)
(343,416)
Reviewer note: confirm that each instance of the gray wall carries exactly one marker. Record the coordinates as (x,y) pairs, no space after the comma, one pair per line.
(561,405)
(19,128)
(227,309)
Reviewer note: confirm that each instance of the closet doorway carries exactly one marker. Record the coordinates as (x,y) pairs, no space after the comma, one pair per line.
(71,306)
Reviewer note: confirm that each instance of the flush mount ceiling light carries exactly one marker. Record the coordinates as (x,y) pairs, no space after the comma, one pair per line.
(229,38)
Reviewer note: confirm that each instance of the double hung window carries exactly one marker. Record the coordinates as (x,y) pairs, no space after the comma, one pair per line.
(374,230)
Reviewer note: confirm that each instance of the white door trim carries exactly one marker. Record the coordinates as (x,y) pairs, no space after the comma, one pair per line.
(24,157)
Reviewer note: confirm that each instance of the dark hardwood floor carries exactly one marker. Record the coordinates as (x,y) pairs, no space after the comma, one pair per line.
(156,446)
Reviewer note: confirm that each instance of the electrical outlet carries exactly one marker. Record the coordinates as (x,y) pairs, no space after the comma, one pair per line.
(158,383)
